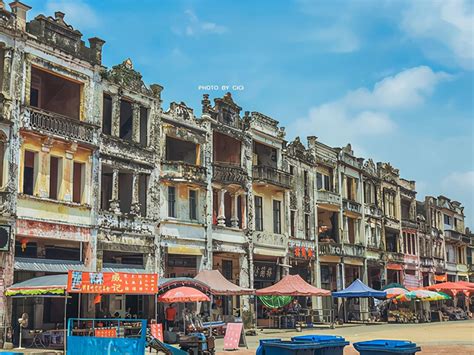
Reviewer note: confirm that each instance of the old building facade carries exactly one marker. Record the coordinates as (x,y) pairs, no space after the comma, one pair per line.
(97,175)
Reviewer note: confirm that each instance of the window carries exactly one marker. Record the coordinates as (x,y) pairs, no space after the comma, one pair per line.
(78,182)
(143,126)
(369,193)
(29,172)
(192,204)
(307,229)
(106,187)
(227,269)
(447,220)
(126,120)
(55,177)
(276,217)
(180,150)
(390,204)
(292,170)
(107,114)
(258,213)
(172,201)
(142,191)
(323,182)
(293,223)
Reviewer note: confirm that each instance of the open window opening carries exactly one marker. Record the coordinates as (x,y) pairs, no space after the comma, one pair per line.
(125,191)
(106,187)
(143,126)
(117,257)
(328,226)
(30,171)
(55,93)
(180,150)
(227,150)
(143,193)
(351,188)
(55,176)
(107,114)
(3,161)
(352,225)
(126,120)
(78,181)
(391,240)
(264,155)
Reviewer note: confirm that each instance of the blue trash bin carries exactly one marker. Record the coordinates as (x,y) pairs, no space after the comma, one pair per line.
(330,344)
(314,346)
(386,347)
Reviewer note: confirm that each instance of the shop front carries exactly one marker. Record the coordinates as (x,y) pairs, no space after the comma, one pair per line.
(331,279)
(301,254)
(394,273)
(228,265)
(182,261)
(375,270)
(266,272)
(411,277)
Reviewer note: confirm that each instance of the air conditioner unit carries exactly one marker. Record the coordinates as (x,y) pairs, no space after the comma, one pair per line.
(5,231)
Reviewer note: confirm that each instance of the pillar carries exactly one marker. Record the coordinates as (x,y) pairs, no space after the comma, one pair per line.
(136,122)
(115,116)
(221,212)
(243,202)
(346,229)
(135,208)
(234,207)
(114,202)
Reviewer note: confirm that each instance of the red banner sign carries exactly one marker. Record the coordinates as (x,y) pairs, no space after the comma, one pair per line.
(106,333)
(232,336)
(157,331)
(111,282)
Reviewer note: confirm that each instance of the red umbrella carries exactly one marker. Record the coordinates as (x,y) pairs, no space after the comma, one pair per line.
(453,287)
(183,294)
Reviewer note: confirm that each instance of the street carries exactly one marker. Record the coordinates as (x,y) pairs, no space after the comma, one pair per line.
(434,338)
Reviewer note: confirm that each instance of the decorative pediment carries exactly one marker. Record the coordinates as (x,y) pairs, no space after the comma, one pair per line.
(369,167)
(125,76)
(180,111)
(297,150)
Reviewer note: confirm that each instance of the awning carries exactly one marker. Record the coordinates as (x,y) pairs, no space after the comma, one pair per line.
(359,289)
(184,250)
(182,295)
(269,252)
(292,285)
(134,269)
(220,285)
(47,265)
(166,284)
(397,267)
(43,285)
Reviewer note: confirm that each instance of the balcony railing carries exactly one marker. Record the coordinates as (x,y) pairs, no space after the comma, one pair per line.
(58,125)
(341,250)
(272,176)
(229,174)
(328,197)
(395,257)
(352,206)
(174,170)
(371,210)
(409,224)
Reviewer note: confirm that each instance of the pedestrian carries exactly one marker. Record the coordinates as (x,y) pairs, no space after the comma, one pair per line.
(170,316)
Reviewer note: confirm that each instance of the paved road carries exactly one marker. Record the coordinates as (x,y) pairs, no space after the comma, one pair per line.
(434,338)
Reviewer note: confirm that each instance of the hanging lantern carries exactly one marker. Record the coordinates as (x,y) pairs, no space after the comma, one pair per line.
(24,242)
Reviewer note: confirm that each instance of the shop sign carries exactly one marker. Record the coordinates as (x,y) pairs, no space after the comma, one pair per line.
(301,249)
(264,271)
(111,283)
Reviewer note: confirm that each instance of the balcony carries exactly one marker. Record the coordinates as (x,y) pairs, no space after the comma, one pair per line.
(452,235)
(272,176)
(61,126)
(395,257)
(409,224)
(229,174)
(372,210)
(328,197)
(135,224)
(351,206)
(180,171)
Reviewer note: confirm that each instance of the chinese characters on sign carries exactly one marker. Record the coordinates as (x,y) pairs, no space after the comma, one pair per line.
(264,271)
(112,282)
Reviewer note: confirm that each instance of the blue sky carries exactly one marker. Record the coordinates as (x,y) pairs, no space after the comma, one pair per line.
(394,78)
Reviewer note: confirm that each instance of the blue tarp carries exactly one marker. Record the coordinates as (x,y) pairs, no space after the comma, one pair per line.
(359,289)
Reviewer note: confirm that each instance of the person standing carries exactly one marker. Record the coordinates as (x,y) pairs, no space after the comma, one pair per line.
(170,316)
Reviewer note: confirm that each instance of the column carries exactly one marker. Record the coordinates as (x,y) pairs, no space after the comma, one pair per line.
(41,187)
(115,116)
(135,208)
(136,122)
(221,212)
(234,219)
(114,202)
(346,229)
(243,202)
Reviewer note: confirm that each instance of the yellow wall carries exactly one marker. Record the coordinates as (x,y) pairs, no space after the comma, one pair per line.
(268,195)
(69,153)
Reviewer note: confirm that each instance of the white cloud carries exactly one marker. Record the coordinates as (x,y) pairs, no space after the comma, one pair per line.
(364,113)
(448,22)
(196,27)
(460,186)
(78,14)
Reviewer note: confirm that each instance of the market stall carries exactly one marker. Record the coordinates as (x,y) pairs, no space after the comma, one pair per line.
(414,306)
(293,315)
(461,293)
(353,293)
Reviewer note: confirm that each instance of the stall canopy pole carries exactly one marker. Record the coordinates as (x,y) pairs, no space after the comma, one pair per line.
(65,320)
(79,306)
(156,307)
